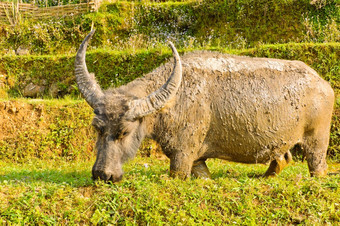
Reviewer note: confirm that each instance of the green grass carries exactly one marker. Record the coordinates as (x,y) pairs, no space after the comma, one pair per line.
(61,192)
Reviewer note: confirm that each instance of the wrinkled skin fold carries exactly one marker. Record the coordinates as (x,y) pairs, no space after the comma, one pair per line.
(211,105)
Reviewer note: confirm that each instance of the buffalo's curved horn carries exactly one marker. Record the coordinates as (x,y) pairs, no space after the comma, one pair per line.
(87,83)
(157,100)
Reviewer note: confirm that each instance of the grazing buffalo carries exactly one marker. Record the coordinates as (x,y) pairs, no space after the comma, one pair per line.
(242,109)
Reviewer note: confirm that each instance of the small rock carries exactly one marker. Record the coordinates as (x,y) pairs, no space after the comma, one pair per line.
(54,90)
(32,90)
(22,51)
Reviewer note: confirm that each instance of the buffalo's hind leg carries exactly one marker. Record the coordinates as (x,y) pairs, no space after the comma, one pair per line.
(200,170)
(277,165)
(317,131)
(316,150)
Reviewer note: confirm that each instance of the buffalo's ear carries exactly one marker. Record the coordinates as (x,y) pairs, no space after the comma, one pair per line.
(158,99)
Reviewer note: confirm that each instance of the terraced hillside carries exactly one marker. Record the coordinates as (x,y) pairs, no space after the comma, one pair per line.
(47,142)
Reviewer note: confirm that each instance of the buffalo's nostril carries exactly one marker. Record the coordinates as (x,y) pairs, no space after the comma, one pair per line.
(116,179)
(105,176)
(98,174)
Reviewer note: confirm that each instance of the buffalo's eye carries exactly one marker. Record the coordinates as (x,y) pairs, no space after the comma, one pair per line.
(99,125)
(96,111)
(118,136)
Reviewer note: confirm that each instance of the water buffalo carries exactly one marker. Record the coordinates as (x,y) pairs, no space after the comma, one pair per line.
(242,109)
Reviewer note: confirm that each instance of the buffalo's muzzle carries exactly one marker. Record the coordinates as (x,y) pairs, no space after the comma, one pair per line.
(106,176)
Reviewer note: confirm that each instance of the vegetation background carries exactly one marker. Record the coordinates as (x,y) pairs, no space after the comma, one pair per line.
(46,143)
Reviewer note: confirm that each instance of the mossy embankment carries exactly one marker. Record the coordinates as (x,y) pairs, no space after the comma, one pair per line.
(57,129)
(115,68)
(45,129)
(192,24)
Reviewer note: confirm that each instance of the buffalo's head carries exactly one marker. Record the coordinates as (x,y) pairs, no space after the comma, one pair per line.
(119,116)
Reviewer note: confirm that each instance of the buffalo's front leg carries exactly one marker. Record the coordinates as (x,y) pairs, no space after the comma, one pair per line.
(180,165)
(200,170)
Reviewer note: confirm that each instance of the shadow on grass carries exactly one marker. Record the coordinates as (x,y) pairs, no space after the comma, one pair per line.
(73,178)
(83,178)
(236,175)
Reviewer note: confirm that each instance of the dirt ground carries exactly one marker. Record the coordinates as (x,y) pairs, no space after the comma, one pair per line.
(18,116)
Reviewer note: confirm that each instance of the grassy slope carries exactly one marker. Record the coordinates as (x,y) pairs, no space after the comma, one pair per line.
(141,24)
(62,192)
